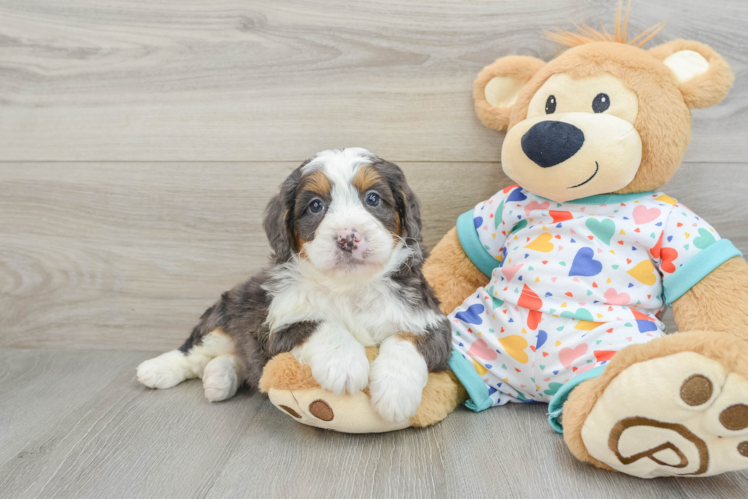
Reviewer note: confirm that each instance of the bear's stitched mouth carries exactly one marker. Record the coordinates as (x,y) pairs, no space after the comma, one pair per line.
(597,167)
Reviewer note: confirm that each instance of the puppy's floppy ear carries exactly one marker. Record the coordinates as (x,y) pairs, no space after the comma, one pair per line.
(410,213)
(406,202)
(703,76)
(496,89)
(278,222)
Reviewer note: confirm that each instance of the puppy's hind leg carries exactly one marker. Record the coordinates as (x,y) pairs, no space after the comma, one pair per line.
(212,359)
(169,369)
(221,378)
(173,367)
(222,374)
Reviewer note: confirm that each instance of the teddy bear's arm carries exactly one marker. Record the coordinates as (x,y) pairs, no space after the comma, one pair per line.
(451,272)
(719,302)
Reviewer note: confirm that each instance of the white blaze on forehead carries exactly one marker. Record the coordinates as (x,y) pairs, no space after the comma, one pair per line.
(340,167)
(345,214)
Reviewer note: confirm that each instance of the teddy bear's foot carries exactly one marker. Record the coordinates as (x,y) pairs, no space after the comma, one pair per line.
(683,412)
(292,389)
(350,412)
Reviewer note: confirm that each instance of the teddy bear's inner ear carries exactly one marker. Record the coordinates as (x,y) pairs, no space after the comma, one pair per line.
(686,64)
(703,76)
(502,91)
(499,84)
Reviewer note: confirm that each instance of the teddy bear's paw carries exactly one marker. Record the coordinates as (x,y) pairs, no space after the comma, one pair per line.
(342,370)
(162,372)
(316,407)
(678,415)
(220,378)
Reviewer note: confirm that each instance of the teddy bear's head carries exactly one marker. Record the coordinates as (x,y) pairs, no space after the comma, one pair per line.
(603,117)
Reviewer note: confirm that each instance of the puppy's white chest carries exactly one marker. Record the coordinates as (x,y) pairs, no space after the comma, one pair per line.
(370,312)
(369,317)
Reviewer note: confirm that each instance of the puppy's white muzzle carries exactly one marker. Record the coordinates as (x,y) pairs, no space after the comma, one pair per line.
(350,238)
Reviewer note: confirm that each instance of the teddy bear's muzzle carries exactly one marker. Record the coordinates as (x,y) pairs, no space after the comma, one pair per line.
(551,142)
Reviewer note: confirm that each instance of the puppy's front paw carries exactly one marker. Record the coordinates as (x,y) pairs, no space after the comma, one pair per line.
(395,398)
(398,377)
(343,369)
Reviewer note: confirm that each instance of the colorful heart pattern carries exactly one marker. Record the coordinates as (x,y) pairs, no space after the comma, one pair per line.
(584,263)
(515,346)
(667,264)
(567,355)
(704,239)
(616,299)
(534,205)
(480,349)
(602,229)
(642,214)
(472,315)
(542,243)
(644,272)
(576,283)
(510,271)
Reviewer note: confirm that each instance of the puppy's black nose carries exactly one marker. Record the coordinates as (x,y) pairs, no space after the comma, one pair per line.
(348,239)
(552,142)
(346,244)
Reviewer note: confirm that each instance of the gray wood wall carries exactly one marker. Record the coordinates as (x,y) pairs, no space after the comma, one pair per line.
(140,141)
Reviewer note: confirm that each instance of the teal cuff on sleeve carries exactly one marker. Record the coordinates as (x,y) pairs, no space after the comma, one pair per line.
(556,406)
(685,277)
(472,246)
(469,378)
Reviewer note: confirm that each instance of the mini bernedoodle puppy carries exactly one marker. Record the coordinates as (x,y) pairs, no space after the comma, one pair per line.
(346,273)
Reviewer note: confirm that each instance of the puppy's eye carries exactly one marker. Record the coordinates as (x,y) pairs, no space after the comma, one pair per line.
(550,105)
(601,103)
(316,206)
(372,199)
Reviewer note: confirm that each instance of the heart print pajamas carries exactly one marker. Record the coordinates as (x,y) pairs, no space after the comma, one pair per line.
(571,285)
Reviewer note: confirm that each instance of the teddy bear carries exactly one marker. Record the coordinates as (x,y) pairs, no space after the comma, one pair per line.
(555,286)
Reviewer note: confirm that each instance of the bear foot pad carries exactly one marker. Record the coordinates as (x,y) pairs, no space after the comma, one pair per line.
(679,415)
(350,413)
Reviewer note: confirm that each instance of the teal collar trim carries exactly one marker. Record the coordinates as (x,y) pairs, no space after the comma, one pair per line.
(472,246)
(689,274)
(556,406)
(469,378)
(605,199)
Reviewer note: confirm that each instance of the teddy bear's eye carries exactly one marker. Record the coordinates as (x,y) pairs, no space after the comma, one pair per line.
(601,103)
(550,105)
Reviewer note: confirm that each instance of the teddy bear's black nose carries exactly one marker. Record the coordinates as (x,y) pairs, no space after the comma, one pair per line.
(551,142)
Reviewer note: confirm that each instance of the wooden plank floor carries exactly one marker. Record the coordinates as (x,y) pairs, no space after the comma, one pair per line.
(139,144)
(81,426)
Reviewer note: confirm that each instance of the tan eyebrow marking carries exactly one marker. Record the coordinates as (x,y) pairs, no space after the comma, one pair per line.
(365,178)
(317,182)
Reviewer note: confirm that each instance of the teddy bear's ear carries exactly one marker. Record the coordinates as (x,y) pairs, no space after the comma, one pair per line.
(703,76)
(498,85)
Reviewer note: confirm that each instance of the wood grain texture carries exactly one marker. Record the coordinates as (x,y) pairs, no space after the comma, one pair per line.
(139,144)
(78,425)
(110,255)
(263,80)
(129,255)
